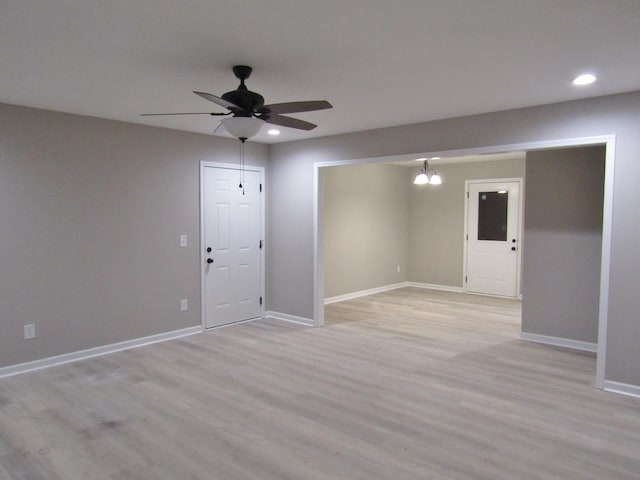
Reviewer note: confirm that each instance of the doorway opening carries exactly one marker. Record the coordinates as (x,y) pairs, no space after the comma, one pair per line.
(606,141)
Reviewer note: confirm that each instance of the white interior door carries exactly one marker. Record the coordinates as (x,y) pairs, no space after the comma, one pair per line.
(493,212)
(232,222)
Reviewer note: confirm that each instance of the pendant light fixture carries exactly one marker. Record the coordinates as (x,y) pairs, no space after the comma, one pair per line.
(423,177)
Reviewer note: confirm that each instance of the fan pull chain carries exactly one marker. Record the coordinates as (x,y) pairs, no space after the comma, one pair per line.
(242,140)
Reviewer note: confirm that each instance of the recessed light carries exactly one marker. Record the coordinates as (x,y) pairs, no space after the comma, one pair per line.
(435,158)
(420,159)
(274,131)
(584,79)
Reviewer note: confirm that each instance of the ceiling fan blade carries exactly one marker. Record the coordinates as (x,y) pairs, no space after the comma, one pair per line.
(288,122)
(184,113)
(295,107)
(218,101)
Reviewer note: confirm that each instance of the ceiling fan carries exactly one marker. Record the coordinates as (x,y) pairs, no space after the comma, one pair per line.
(243,103)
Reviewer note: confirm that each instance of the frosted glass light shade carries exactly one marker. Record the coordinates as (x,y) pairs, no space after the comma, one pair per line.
(421,179)
(435,179)
(242,127)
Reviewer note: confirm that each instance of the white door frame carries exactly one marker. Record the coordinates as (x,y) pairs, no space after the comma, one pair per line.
(608,141)
(520,183)
(203,310)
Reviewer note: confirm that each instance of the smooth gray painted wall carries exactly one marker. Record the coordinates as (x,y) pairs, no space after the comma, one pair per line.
(436,219)
(290,246)
(90,216)
(563,243)
(366,227)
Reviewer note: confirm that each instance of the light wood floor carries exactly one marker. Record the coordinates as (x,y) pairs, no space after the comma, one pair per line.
(408,384)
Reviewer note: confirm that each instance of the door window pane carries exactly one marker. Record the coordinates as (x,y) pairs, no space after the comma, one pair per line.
(492,216)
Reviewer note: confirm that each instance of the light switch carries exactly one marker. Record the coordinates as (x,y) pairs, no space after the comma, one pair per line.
(183,240)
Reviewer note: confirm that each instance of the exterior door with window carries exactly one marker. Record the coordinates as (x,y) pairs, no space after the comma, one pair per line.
(493,226)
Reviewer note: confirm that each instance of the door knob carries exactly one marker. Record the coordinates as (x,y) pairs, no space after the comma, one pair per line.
(209,260)
(208,249)
(512,249)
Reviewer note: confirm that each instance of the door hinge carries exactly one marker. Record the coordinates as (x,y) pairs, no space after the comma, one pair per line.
(467,238)
(467,194)
(465,280)
(260,300)
(260,188)
(260,245)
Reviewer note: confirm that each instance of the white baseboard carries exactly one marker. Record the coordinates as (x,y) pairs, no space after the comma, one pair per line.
(95,352)
(559,342)
(285,317)
(433,286)
(622,388)
(394,286)
(364,293)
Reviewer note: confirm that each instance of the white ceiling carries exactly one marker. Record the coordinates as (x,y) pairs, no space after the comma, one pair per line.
(380,63)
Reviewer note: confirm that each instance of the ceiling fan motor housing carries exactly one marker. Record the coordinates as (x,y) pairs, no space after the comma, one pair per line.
(247,100)
(244,98)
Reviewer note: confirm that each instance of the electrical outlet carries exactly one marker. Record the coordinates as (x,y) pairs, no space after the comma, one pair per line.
(183,240)
(184,305)
(29,331)
(398,269)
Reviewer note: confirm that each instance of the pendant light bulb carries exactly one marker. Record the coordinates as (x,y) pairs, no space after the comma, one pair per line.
(435,179)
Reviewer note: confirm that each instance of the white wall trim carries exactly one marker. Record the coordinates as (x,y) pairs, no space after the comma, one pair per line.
(364,293)
(285,317)
(605,261)
(96,351)
(607,139)
(393,286)
(559,342)
(433,286)
(622,388)
(318,247)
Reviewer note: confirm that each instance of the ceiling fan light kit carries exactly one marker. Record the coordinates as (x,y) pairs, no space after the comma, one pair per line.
(242,127)
(248,111)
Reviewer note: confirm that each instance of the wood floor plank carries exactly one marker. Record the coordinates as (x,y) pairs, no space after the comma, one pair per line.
(406,384)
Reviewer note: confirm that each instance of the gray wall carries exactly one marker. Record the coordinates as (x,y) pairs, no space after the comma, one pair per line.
(436,219)
(563,243)
(366,226)
(290,246)
(90,216)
